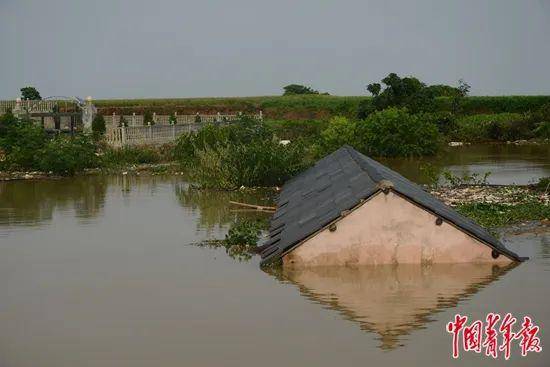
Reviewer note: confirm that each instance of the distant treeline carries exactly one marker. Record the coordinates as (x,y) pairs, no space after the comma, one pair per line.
(308,106)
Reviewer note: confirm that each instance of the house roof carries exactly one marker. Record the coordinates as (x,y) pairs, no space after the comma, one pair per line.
(339,182)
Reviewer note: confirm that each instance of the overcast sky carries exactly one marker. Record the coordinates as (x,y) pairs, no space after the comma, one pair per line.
(184,48)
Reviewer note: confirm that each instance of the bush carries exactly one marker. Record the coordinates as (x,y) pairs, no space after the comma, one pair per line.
(187,145)
(296,129)
(501,104)
(243,233)
(543,130)
(340,131)
(68,155)
(445,122)
(148,118)
(258,163)
(20,140)
(543,184)
(394,132)
(498,127)
(98,126)
(293,89)
(245,153)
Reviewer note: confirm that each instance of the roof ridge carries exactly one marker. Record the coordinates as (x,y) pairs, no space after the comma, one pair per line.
(374,175)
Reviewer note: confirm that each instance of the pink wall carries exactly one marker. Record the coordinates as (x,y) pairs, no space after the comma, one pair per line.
(388,229)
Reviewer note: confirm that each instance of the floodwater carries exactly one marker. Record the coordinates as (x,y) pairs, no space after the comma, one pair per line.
(507,163)
(101,271)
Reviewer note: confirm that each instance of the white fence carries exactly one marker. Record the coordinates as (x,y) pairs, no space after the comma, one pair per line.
(135,133)
(147,135)
(28,106)
(114,120)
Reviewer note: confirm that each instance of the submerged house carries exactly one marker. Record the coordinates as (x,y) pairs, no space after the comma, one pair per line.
(349,209)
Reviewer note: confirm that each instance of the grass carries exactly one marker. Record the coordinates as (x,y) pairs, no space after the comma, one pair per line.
(310,106)
(115,158)
(498,215)
(302,106)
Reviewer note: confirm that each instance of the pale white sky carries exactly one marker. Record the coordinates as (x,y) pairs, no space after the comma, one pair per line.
(186,48)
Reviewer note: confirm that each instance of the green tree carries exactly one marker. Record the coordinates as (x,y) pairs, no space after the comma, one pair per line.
(30,94)
(406,92)
(294,89)
(340,131)
(442,90)
(98,126)
(394,132)
(457,99)
(148,118)
(374,88)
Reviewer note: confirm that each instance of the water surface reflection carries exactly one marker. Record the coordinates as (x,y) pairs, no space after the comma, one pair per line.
(392,301)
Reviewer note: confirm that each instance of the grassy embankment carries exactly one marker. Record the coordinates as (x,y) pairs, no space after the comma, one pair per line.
(478,119)
(310,106)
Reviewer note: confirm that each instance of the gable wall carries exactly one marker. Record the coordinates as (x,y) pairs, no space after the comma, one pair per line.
(389,229)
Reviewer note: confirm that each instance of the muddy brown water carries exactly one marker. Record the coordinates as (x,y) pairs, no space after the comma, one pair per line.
(99,271)
(507,163)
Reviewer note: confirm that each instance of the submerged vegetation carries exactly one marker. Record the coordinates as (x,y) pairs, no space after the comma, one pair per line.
(246,153)
(501,214)
(389,133)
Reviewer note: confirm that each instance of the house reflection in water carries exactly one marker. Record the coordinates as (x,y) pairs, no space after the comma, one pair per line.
(391,301)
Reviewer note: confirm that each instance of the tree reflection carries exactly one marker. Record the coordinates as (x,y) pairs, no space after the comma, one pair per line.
(213,206)
(35,202)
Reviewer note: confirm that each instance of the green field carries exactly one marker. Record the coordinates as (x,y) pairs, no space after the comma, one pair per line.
(306,106)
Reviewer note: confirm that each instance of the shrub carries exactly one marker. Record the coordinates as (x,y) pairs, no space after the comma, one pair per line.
(445,122)
(68,155)
(293,89)
(543,130)
(510,130)
(243,233)
(98,126)
(501,104)
(187,145)
(172,120)
(543,184)
(499,127)
(542,113)
(340,131)
(245,153)
(395,132)
(296,129)
(148,118)
(20,140)
(258,163)
(123,122)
